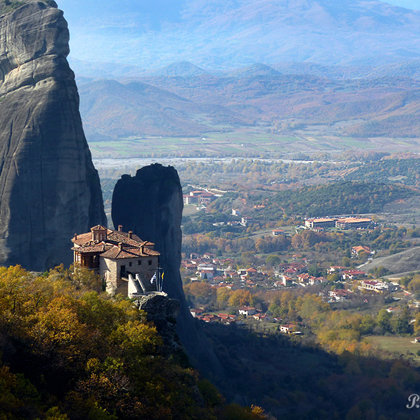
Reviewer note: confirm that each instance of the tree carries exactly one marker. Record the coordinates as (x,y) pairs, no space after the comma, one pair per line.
(200,292)
(367,324)
(333,277)
(273,260)
(417,325)
(310,306)
(383,320)
(314,270)
(346,262)
(89,356)
(82,277)
(401,323)
(223,294)
(276,310)
(380,271)
(241,297)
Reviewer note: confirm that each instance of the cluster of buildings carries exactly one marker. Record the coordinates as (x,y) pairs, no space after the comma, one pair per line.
(303,280)
(248,312)
(295,274)
(357,280)
(219,272)
(200,197)
(243,221)
(223,318)
(207,267)
(344,223)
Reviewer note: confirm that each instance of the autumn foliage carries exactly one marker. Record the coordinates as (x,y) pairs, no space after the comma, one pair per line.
(68,352)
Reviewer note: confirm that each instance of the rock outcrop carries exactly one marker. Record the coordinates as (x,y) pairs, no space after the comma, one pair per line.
(150,204)
(49,188)
(163,312)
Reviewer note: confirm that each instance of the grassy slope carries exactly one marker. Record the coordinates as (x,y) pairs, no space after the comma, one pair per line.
(402,262)
(398,345)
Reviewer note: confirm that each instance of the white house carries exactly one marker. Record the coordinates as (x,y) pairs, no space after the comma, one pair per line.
(247,311)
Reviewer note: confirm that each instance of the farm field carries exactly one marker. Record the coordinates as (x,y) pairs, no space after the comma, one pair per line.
(244,142)
(398,345)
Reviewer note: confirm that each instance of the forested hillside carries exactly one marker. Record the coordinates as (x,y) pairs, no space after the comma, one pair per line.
(321,200)
(68,352)
(338,198)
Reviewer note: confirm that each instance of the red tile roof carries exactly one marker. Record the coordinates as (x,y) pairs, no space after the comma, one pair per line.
(98,228)
(117,245)
(355,220)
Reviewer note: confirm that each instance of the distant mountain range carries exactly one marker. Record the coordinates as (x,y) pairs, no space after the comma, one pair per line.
(327,67)
(224,34)
(185,100)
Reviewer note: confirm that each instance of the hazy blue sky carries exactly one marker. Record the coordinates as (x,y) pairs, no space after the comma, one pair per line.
(411,4)
(109,30)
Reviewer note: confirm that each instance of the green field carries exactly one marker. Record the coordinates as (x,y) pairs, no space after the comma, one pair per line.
(245,142)
(397,345)
(189,210)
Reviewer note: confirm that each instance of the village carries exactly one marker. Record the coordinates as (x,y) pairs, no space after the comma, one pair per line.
(341,286)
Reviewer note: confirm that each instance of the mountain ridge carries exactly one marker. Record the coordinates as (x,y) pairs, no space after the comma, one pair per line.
(227,34)
(378,105)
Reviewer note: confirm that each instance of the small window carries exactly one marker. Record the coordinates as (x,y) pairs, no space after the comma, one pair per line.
(130,264)
(122,271)
(150,262)
(139,262)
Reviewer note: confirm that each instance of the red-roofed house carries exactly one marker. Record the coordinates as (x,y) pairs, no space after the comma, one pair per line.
(353,274)
(195,312)
(358,250)
(320,223)
(285,280)
(336,269)
(247,311)
(114,255)
(354,223)
(303,278)
(340,295)
(251,272)
(206,271)
(259,317)
(287,329)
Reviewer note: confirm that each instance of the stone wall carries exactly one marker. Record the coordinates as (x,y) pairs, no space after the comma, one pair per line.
(110,271)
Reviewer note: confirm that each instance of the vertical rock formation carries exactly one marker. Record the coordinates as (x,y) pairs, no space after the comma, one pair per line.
(150,204)
(49,188)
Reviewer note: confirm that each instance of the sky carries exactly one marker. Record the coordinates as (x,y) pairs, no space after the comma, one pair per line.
(104,31)
(409,4)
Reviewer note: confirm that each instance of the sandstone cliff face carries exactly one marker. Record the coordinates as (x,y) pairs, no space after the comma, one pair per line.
(150,204)
(49,188)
